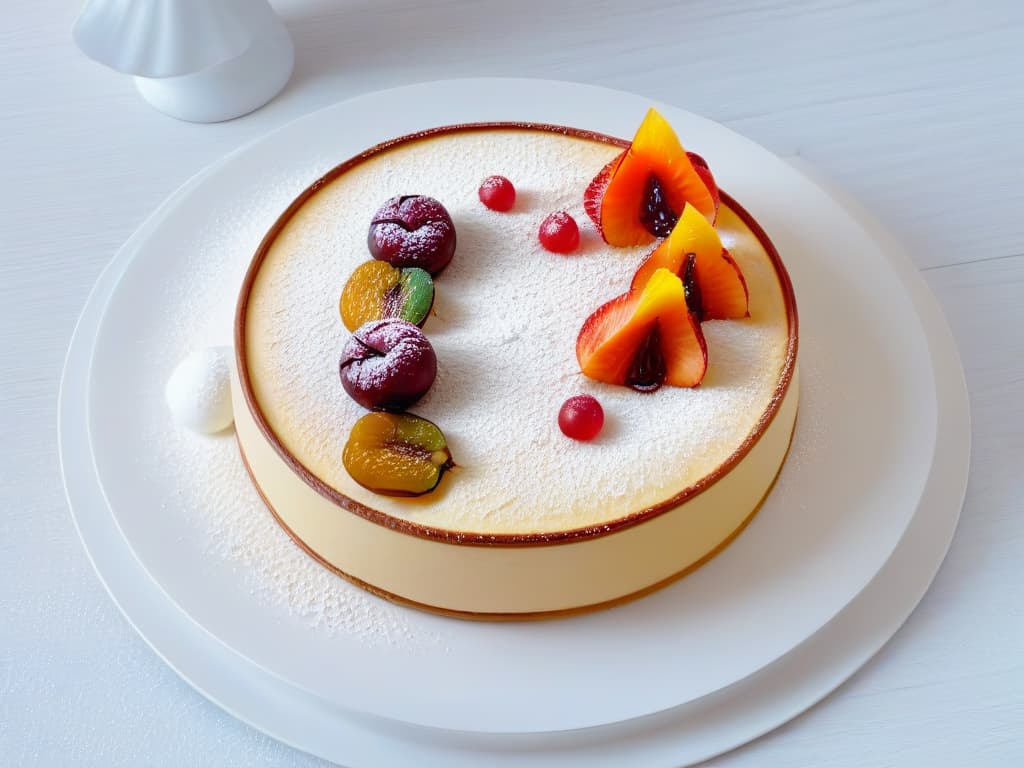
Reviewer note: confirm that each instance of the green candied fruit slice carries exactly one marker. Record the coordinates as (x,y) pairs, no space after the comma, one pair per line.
(417,291)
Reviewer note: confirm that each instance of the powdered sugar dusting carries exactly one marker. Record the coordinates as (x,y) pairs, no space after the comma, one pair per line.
(238,528)
(423,239)
(214,493)
(504,328)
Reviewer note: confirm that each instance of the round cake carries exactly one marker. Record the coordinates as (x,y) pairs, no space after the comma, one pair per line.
(528,522)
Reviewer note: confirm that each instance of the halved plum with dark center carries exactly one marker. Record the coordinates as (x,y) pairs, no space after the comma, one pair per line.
(643,191)
(644,338)
(397,454)
(376,291)
(716,288)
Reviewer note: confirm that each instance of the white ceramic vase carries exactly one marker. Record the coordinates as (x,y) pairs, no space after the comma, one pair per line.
(198,60)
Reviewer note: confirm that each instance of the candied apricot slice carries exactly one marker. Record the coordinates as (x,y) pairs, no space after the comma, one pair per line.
(396,454)
(655,162)
(378,291)
(644,338)
(722,287)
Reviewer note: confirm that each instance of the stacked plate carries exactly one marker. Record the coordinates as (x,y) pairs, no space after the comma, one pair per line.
(835,561)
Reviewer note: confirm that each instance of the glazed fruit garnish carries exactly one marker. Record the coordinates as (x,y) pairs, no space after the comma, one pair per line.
(376,291)
(497,193)
(412,231)
(559,233)
(581,417)
(387,365)
(644,338)
(716,287)
(396,454)
(723,289)
(642,192)
(595,190)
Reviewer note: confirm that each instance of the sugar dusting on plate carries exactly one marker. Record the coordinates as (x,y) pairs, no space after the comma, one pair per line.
(214,493)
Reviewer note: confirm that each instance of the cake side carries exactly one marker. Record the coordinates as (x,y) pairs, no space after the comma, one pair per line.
(520,582)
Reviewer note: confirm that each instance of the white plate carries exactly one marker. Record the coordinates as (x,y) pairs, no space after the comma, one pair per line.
(863,448)
(678,736)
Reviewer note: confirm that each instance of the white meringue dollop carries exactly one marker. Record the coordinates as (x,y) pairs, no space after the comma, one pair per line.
(199,390)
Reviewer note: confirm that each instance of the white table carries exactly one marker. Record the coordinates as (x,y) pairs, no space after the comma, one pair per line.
(916,108)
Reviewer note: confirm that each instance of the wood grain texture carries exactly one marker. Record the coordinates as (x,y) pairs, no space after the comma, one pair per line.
(917,108)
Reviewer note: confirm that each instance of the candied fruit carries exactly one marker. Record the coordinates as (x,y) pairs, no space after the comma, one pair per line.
(412,231)
(376,291)
(715,286)
(644,338)
(559,233)
(397,454)
(581,417)
(497,193)
(387,365)
(637,196)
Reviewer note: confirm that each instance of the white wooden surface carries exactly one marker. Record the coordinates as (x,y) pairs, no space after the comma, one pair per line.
(917,108)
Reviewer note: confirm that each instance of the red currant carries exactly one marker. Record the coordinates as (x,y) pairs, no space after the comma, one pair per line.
(581,417)
(559,233)
(497,193)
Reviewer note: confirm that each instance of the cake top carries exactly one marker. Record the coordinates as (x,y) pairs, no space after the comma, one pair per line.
(504,327)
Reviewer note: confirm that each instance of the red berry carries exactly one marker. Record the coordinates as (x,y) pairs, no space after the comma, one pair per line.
(559,233)
(497,193)
(581,417)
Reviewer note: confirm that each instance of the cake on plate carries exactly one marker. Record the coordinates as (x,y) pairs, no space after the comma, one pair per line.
(549,392)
